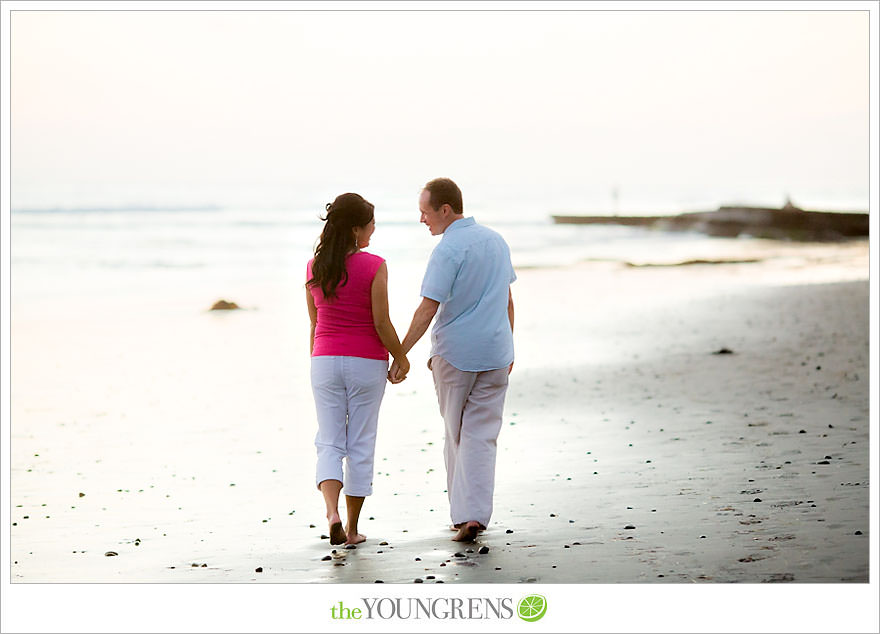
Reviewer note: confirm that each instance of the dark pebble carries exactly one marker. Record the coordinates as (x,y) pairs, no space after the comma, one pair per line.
(383,543)
(82,495)
(110,553)
(325,536)
(418,558)
(260,569)
(827,457)
(459,555)
(442,564)
(702,537)
(823,462)
(757,500)
(508,531)
(372,518)
(575,543)
(350,546)
(497,568)
(311,526)
(484,550)
(418,581)
(566,546)
(440,581)
(469,550)
(430,577)
(723,351)
(858,532)
(379,552)
(629,527)
(552,514)
(803,431)
(378,581)
(326,558)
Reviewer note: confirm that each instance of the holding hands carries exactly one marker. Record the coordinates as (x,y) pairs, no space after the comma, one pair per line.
(398,370)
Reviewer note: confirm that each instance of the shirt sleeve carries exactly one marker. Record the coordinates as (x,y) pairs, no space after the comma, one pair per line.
(440,275)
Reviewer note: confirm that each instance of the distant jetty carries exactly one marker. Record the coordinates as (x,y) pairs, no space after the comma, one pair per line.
(786,223)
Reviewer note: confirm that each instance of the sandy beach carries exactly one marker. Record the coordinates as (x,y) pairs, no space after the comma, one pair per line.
(181,439)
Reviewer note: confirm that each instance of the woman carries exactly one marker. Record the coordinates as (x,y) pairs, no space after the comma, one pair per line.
(351,336)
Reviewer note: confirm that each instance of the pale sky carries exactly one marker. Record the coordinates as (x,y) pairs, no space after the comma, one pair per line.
(119,107)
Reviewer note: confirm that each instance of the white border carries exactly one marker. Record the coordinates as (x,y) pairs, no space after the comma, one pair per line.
(305,608)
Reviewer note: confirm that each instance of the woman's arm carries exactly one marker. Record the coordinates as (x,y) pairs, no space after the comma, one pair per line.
(313,318)
(382,321)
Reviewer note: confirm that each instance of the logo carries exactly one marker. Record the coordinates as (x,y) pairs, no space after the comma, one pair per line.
(532,608)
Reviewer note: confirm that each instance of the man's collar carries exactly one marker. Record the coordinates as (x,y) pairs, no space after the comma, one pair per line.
(461,223)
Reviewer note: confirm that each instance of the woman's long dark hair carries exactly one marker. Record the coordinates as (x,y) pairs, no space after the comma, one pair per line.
(337,240)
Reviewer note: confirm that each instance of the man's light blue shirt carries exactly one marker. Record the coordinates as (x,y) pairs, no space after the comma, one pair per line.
(470,274)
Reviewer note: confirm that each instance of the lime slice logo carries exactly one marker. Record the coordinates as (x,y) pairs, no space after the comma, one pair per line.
(532,607)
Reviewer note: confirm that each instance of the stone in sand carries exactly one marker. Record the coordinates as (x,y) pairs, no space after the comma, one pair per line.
(110,553)
(260,569)
(222,304)
(326,558)
(484,550)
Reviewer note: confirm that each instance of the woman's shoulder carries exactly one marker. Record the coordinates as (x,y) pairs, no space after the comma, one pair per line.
(370,258)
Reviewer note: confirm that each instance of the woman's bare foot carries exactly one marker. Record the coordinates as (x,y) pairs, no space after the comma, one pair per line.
(467,532)
(355,538)
(337,535)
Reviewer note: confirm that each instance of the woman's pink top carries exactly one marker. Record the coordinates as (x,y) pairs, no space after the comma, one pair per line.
(345,322)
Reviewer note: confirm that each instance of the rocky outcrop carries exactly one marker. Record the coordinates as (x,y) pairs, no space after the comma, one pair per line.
(787,223)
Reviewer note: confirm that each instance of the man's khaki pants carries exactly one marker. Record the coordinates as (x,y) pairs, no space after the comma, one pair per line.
(471,404)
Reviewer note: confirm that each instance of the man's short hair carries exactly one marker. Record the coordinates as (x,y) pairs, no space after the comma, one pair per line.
(445,192)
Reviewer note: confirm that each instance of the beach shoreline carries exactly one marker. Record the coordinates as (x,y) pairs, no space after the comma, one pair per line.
(190,436)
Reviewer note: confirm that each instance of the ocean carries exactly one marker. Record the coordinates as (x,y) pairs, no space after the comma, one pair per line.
(106,254)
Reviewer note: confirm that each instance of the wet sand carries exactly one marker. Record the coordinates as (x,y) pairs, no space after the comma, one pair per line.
(181,439)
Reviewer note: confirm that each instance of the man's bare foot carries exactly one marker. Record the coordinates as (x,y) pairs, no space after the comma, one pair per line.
(355,538)
(337,535)
(455,527)
(467,532)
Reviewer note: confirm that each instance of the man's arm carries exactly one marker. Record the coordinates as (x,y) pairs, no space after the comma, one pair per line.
(421,320)
(510,307)
(510,317)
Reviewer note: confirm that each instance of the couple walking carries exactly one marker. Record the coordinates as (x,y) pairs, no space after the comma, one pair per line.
(467,288)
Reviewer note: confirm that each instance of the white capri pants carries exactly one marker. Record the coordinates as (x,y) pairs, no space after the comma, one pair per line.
(348,392)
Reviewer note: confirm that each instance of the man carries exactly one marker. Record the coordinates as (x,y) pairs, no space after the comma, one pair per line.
(468,279)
